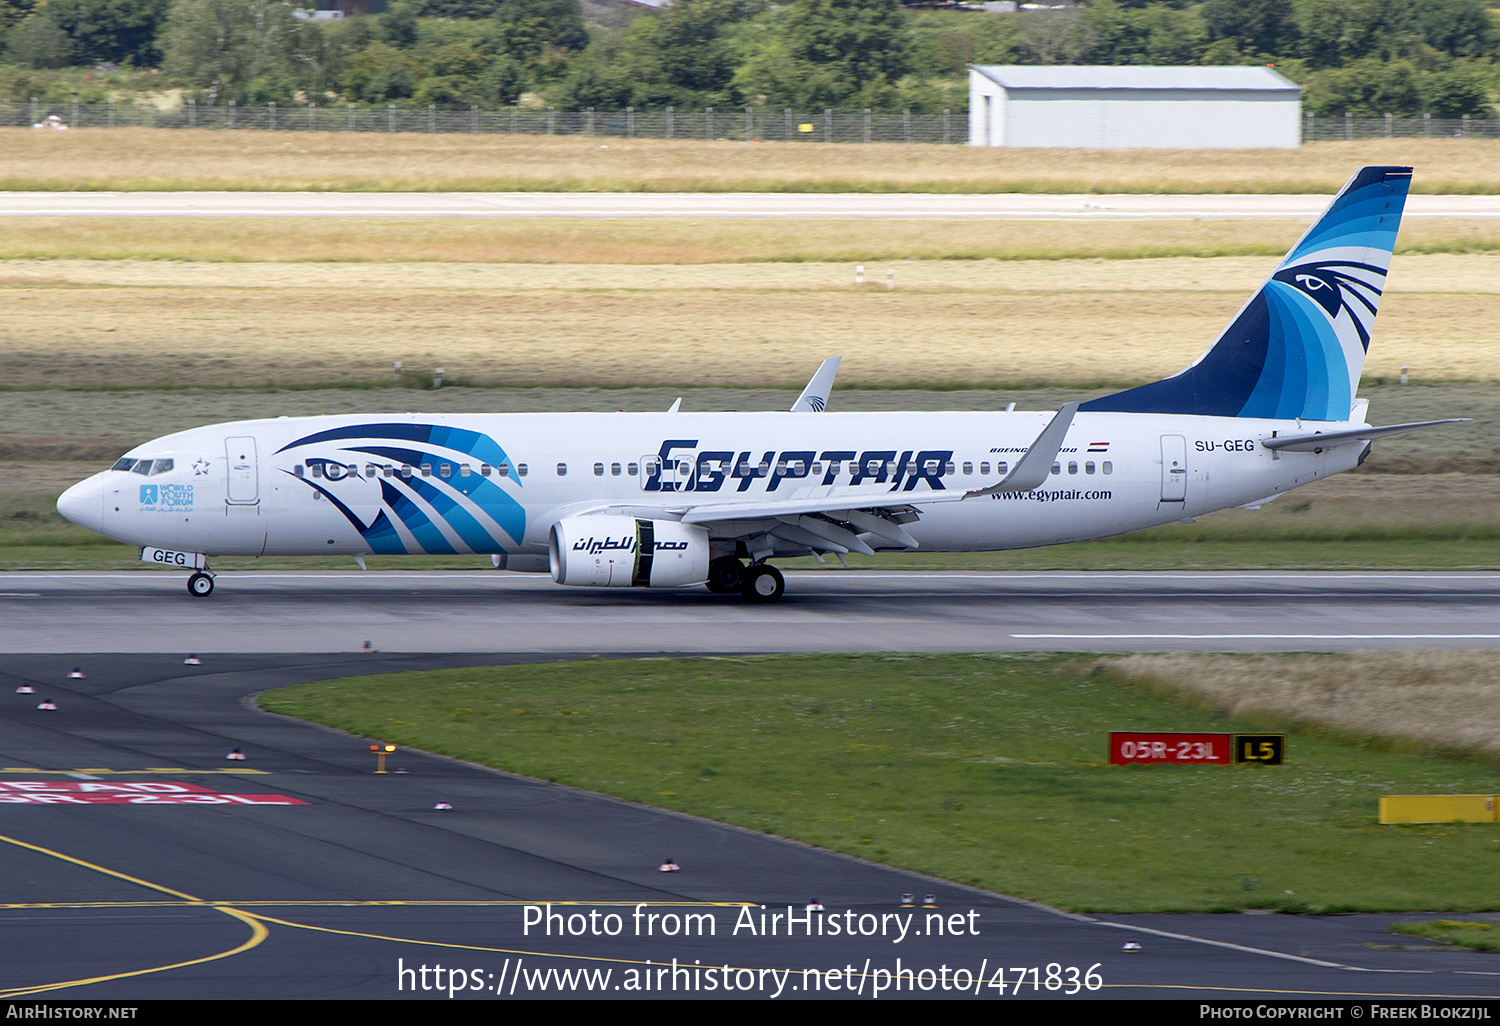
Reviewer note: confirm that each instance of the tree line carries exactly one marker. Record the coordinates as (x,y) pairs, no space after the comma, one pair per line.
(1363,57)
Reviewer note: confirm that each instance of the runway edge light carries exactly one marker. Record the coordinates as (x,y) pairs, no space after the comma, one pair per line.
(381,751)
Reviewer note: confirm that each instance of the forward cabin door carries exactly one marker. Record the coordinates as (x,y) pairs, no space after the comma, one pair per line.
(244,471)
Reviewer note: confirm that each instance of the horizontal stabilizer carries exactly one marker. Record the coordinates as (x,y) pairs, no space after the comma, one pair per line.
(1317,441)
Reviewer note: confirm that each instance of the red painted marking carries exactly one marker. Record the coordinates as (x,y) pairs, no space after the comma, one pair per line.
(49,792)
(1175,749)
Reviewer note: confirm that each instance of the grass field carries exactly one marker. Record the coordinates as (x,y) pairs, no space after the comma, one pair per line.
(991,323)
(1471,935)
(609,242)
(987,769)
(135,159)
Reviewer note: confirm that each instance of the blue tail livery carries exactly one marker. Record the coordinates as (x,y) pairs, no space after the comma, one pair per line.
(1295,350)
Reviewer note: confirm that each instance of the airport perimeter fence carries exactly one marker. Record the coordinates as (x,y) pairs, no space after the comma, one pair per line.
(741,124)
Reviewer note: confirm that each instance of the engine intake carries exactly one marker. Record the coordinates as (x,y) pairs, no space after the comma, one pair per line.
(623,552)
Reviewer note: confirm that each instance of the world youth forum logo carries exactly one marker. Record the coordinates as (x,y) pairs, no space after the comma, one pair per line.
(172,496)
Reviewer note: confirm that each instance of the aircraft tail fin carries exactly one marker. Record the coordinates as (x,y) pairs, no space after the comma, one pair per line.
(1296,349)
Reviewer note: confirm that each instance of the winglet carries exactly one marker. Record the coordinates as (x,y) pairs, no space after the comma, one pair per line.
(815,396)
(1032,469)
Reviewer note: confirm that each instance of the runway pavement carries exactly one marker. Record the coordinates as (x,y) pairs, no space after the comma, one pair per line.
(716,205)
(823,611)
(137,863)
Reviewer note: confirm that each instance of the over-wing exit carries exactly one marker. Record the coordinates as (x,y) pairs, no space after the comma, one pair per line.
(685,499)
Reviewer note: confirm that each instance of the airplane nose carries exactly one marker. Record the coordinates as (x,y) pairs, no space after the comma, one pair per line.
(84,504)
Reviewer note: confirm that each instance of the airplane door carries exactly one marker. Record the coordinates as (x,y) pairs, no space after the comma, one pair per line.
(244,471)
(1173,468)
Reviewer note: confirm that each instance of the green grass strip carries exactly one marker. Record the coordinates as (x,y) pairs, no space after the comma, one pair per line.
(986,769)
(1474,936)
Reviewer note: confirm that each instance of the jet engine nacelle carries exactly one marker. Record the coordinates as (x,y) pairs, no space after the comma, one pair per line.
(624,552)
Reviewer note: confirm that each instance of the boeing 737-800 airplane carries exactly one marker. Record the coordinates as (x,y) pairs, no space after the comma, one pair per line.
(684,499)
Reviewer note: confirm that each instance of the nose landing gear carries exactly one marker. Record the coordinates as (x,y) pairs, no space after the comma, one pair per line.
(201,584)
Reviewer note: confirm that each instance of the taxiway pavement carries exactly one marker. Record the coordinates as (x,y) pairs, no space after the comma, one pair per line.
(216,888)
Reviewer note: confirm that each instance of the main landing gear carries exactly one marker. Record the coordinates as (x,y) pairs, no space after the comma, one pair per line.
(758,582)
(201,585)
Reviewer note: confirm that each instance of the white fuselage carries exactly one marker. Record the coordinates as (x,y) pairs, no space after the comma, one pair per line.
(497,483)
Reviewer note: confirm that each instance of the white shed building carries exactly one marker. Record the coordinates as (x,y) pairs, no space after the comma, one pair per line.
(1115,107)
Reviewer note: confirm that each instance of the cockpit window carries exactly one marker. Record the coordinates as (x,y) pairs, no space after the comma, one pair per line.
(147,467)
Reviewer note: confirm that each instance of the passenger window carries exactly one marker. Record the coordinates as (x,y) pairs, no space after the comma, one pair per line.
(1072,468)
(632,469)
(951,469)
(598,470)
(317,470)
(520,470)
(984,468)
(968,469)
(1109,468)
(505,470)
(1001,468)
(444,470)
(484,470)
(1088,468)
(1057,468)
(817,468)
(463,470)
(562,470)
(299,470)
(406,471)
(388,470)
(614,469)
(372,471)
(427,470)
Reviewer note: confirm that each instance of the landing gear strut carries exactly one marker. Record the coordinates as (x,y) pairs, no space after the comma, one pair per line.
(762,583)
(201,585)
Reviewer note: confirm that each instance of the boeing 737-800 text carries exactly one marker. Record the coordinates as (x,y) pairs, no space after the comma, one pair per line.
(684,499)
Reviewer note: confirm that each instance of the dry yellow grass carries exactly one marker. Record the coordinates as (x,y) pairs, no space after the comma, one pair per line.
(122,323)
(1438,702)
(674,240)
(135,159)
